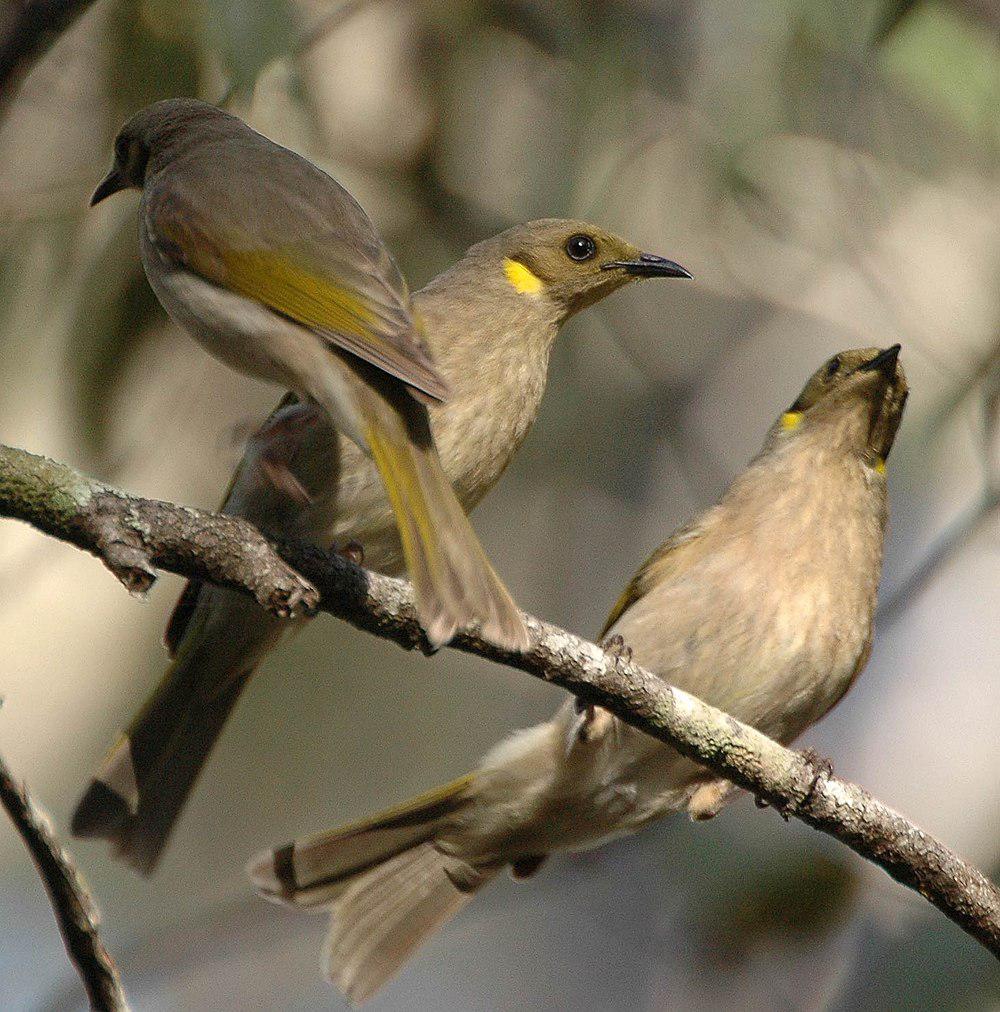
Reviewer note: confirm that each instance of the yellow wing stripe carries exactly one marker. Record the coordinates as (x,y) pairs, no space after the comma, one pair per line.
(297,293)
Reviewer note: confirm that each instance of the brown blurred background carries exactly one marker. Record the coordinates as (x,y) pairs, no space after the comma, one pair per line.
(829,173)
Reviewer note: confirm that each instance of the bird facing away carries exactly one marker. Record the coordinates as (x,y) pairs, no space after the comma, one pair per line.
(490,321)
(762,606)
(276,270)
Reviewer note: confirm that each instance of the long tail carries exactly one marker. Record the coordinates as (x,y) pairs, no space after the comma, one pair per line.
(387,884)
(455,584)
(139,790)
(216,638)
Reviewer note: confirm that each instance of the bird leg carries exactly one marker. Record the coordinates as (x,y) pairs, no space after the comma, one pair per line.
(353,551)
(525,867)
(278,440)
(618,648)
(820,767)
(709,799)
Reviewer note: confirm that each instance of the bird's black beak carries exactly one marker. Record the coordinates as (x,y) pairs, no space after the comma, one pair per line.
(884,362)
(111,183)
(648,265)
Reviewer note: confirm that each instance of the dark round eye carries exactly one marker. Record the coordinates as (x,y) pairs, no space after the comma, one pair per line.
(121,150)
(580,247)
(833,367)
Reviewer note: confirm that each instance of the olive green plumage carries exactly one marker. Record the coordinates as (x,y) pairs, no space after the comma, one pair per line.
(763,606)
(485,326)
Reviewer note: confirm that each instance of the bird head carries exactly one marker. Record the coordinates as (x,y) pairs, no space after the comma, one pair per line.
(159,133)
(571,263)
(854,400)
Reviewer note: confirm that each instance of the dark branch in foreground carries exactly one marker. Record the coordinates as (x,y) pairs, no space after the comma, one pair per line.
(782,778)
(71,901)
(27,29)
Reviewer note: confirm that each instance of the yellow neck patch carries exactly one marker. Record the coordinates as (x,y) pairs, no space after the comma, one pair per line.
(791,420)
(880,465)
(521,278)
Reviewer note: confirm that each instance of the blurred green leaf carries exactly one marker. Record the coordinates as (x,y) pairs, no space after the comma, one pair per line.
(249,35)
(951,62)
(154,53)
(894,14)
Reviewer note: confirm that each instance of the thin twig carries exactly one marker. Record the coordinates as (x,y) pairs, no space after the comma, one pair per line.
(381,605)
(76,914)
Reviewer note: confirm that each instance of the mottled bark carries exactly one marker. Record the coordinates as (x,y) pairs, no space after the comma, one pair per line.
(135,537)
(789,781)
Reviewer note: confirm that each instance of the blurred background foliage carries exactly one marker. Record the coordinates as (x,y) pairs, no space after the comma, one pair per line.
(829,174)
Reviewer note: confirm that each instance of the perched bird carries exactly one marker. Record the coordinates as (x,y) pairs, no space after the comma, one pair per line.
(275,269)
(762,606)
(490,321)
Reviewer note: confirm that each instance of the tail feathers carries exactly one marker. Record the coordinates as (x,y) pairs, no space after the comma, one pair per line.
(310,871)
(138,793)
(454,582)
(386,881)
(385,915)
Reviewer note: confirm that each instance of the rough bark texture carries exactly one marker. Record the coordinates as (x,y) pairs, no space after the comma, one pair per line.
(134,537)
(74,908)
(58,500)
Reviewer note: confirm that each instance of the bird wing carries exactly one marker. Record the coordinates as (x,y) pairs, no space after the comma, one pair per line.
(180,617)
(259,220)
(652,572)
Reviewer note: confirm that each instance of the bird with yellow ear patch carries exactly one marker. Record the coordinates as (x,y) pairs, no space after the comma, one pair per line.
(489,323)
(276,270)
(762,606)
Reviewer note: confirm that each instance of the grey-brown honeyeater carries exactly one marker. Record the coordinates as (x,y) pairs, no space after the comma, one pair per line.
(762,606)
(489,323)
(277,271)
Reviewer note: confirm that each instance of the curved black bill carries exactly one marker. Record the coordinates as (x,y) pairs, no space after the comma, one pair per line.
(111,183)
(648,265)
(884,362)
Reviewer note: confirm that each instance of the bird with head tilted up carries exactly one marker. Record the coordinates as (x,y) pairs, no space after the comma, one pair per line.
(489,323)
(762,606)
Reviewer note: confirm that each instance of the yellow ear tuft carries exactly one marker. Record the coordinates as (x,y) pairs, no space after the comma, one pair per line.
(791,420)
(521,278)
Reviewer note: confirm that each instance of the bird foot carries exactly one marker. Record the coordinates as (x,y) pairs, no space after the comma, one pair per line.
(279,474)
(618,648)
(353,551)
(820,767)
(279,439)
(709,799)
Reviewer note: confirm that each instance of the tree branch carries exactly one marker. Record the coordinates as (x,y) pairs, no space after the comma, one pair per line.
(381,605)
(28,28)
(71,901)
(133,537)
